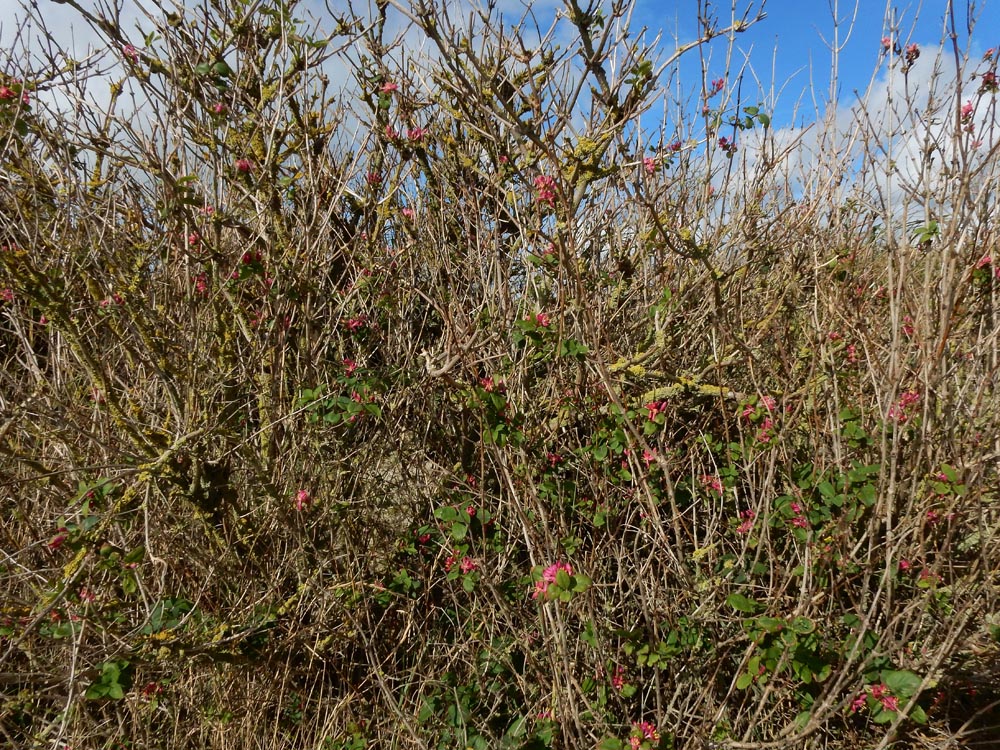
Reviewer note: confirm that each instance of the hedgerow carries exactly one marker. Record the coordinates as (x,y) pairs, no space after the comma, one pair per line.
(463,406)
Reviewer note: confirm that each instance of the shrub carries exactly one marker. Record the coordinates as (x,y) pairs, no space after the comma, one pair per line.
(464,408)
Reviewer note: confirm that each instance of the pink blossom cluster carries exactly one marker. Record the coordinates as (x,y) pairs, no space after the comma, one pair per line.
(798,518)
(549,577)
(897,412)
(747,517)
(302,500)
(642,731)
(880,693)
(654,408)
(712,483)
(988,83)
(466,564)
(618,678)
(545,185)
(7,93)
(985,262)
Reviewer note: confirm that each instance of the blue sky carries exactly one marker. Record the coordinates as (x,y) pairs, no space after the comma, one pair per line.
(791,38)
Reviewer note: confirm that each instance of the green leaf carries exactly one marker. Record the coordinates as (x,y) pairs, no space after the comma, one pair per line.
(744,681)
(902,683)
(802,625)
(459,530)
(203,69)
(764,120)
(741,603)
(918,715)
(768,624)
(446,513)
(883,716)
(611,743)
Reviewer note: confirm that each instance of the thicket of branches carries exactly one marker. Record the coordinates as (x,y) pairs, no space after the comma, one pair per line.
(466,409)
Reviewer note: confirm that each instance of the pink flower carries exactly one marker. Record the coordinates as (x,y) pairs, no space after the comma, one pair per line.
(388,87)
(858,703)
(62,534)
(373,178)
(904,564)
(244,166)
(201,283)
(350,366)
(218,108)
(967,110)
(543,320)
(764,434)
(130,53)
(468,565)
(927,575)
(655,407)
(889,702)
(912,53)
(7,295)
(649,164)
(408,213)
(302,500)
(7,93)
(415,134)
(194,238)
(643,730)
(886,43)
(618,678)
(711,483)
(674,147)
(747,516)
(648,457)
(545,185)
(800,522)
(549,577)
(355,324)
(717,85)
